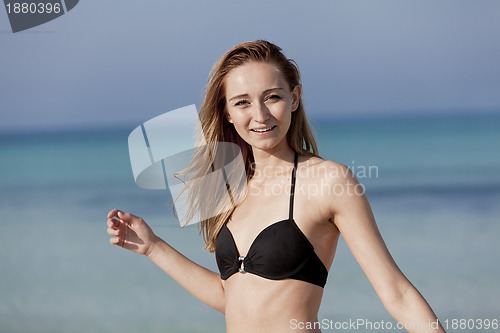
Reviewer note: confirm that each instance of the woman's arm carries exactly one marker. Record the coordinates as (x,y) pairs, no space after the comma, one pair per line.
(353,216)
(132,233)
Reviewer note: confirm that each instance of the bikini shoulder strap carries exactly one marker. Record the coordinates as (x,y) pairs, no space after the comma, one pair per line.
(292,188)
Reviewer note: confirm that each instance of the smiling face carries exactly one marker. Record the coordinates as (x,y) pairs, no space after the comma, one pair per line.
(259,103)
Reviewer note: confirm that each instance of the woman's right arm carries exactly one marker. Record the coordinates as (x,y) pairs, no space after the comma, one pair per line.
(132,233)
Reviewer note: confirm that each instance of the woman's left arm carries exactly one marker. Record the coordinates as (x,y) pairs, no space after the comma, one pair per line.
(353,216)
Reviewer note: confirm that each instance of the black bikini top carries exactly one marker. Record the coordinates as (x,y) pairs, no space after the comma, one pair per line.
(280,251)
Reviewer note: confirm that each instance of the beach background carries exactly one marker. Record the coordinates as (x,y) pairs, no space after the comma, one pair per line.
(410,89)
(435,195)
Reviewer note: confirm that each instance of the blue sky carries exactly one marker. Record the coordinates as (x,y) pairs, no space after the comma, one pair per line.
(118,63)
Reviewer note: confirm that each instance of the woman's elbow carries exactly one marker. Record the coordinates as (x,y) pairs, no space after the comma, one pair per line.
(397,295)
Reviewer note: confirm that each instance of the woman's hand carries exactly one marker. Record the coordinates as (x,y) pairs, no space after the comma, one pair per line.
(131,232)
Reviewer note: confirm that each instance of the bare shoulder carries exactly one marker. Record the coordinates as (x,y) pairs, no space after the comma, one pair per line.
(335,187)
(328,171)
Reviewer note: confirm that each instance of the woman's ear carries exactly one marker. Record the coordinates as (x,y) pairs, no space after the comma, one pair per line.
(296,93)
(228,117)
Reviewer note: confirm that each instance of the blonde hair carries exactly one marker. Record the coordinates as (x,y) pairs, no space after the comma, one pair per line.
(215,129)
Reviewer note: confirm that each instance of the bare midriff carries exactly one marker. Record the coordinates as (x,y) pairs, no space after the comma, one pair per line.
(256,304)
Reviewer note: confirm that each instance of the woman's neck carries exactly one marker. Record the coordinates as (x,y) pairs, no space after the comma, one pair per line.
(272,161)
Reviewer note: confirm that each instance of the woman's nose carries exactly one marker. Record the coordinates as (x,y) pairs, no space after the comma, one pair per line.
(260,112)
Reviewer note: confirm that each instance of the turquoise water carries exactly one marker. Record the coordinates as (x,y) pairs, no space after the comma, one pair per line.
(435,195)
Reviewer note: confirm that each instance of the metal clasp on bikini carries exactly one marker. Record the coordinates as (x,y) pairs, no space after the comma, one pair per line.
(242,265)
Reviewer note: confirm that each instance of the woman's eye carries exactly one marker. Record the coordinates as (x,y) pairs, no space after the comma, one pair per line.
(240,103)
(275,97)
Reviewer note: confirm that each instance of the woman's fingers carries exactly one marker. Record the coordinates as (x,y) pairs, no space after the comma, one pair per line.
(113,232)
(113,213)
(115,241)
(117,214)
(125,217)
(114,223)
(118,240)
(130,220)
(128,230)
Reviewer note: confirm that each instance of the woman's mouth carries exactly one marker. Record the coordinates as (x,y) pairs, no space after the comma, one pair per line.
(263,130)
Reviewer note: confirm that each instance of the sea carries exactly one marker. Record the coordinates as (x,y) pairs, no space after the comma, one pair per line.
(433,182)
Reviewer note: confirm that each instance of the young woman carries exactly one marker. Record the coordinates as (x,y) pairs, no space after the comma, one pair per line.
(275,247)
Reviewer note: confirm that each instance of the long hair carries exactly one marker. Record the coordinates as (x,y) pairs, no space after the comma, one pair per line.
(216,129)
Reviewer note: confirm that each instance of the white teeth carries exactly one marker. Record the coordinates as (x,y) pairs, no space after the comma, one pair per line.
(263,129)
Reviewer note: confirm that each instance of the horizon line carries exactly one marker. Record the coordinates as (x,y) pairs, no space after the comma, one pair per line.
(357,116)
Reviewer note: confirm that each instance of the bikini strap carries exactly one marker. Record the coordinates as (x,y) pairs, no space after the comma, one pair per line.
(292,188)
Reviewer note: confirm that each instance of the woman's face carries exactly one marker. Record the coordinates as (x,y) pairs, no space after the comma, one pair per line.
(259,104)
